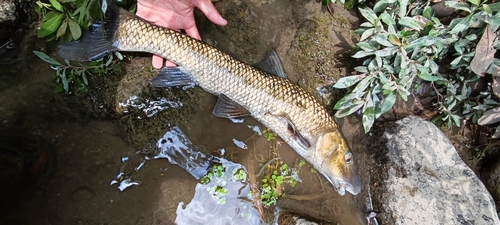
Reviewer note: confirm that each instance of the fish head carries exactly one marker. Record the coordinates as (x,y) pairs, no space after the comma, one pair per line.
(335,160)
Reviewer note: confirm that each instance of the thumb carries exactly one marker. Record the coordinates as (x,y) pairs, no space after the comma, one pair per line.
(208,8)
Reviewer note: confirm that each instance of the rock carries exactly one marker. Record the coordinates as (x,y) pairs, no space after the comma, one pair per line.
(7,11)
(491,178)
(422,179)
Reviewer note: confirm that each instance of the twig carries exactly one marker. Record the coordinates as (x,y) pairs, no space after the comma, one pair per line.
(265,165)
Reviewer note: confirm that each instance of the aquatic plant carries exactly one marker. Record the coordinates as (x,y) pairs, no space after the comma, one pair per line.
(273,182)
(269,135)
(71,77)
(403,43)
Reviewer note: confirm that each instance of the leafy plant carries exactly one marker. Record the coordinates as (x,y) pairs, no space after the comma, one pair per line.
(402,44)
(66,19)
(269,135)
(75,77)
(273,183)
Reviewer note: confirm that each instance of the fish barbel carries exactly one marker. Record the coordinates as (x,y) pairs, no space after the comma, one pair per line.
(243,90)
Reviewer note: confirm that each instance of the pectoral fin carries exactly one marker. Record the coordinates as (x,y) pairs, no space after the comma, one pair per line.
(293,130)
(173,77)
(227,108)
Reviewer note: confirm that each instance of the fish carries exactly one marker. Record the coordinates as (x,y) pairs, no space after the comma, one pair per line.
(260,91)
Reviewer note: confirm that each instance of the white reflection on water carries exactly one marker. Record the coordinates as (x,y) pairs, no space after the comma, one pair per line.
(150,107)
(234,205)
(209,207)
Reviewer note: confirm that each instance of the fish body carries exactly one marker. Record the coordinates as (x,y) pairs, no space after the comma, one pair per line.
(285,108)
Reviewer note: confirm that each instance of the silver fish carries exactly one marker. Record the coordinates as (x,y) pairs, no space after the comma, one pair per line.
(243,90)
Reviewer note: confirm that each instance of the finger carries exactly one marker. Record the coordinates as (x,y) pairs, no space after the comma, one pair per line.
(170,64)
(193,32)
(157,61)
(208,8)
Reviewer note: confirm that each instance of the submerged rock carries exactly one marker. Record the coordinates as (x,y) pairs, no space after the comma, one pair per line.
(422,179)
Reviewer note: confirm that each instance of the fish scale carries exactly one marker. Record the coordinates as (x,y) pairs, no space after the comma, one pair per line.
(285,108)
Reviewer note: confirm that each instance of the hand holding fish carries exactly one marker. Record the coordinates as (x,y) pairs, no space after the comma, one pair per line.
(177,15)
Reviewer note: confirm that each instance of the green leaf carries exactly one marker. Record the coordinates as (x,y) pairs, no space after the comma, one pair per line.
(458,5)
(361,54)
(348,81)
(380,6)
(46,58)
(424,75)
(57,5)
(369,15)
(62,29)
(391,23)
(475,2)
(361,69)
(428,12)
(462,25)
(349,4)
(366,46)
(382,39)
(387,103)
(51,25)
(368,113)
(64,80)
(85,80)
(394,39)
(367,34)
(348,111)
(410,23)
(385,52)
(402,7)
(495,7)
(488,9)
(76,31)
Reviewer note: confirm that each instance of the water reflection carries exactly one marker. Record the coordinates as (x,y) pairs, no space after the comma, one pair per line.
(150,107)
(222,197)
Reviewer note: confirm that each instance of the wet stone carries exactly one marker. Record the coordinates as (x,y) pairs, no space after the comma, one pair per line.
(7,11)
(491,178)
(422,178)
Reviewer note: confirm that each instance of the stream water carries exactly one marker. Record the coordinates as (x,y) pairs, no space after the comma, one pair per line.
(103,177)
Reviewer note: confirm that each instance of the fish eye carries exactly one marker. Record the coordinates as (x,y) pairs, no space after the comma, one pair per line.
(348,157)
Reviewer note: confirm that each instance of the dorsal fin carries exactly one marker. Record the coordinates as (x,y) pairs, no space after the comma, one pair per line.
(271,63)
(227,108)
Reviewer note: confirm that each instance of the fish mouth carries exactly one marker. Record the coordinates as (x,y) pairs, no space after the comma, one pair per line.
(342,186)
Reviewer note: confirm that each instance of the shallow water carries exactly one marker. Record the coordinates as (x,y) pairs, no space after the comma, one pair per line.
(102,178)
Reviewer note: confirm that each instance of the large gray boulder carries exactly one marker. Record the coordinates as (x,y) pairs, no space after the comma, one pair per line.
(422,179)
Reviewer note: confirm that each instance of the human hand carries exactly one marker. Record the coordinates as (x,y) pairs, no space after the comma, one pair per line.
(177,15)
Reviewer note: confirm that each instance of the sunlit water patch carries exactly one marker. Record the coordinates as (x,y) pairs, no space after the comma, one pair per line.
(150,107)
(222,197)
